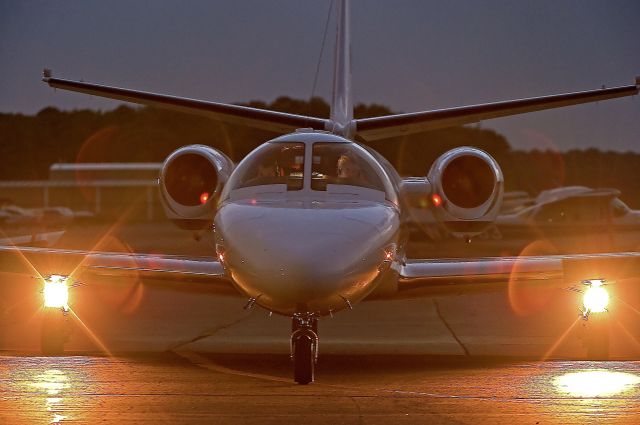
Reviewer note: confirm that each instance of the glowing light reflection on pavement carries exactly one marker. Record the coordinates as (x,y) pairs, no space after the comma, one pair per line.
(161,388)
(53,382)
(596,383)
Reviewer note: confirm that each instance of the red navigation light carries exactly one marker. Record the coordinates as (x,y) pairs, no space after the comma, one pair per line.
(204,197)
(436,200)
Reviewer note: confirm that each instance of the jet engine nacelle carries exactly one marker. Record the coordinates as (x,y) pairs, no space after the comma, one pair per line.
(466,190)
(191,180)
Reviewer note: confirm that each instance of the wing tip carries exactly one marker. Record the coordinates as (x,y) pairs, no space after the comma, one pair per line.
(46,74)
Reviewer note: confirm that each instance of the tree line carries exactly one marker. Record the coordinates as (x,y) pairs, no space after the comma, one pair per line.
(29,144)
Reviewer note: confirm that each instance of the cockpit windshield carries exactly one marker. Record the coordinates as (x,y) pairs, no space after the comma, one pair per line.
(272,163)
(342,164)
(337,169)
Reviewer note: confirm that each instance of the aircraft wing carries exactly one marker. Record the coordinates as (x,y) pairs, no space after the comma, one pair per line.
(279,122)
(445,277)
(415,279)
(418,122)
(169,272)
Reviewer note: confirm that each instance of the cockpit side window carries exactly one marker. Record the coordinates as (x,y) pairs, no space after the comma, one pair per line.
(272,163)
(342,164)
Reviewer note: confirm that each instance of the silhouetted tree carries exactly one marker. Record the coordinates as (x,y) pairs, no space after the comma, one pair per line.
(30,144)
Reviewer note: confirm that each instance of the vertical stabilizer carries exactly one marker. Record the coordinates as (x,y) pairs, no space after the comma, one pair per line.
(342,102)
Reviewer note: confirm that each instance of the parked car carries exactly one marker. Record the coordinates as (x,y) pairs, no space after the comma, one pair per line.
(573,219)
(13,215)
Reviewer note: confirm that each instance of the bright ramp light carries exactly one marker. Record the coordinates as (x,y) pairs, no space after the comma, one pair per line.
(56,291)
(596,297)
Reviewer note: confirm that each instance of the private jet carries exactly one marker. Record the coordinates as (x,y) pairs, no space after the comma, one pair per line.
(310,223)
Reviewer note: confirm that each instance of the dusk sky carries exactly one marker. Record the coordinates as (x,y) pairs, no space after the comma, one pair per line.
(409,55)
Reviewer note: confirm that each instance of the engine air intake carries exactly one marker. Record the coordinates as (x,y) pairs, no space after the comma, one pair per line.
(188,176)
(468,181)
(191,180)
(470,184)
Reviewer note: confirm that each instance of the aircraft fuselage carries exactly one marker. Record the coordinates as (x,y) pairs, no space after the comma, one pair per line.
(319,246)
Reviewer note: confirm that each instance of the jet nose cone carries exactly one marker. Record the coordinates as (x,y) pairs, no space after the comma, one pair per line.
(298,257)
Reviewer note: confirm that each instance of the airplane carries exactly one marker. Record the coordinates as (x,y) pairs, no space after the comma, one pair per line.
(310,223)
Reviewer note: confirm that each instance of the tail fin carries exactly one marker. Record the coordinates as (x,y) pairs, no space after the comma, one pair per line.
(342,102)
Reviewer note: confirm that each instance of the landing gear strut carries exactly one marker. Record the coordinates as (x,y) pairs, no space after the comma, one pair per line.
(304,347)
(54,332)
(597,337)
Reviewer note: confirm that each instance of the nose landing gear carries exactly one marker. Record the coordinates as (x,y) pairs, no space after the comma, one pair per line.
(304,347)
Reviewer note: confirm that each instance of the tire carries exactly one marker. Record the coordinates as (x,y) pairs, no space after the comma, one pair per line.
(303,360)
(53,333)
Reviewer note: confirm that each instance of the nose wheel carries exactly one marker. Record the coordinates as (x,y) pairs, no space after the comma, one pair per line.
(304,347)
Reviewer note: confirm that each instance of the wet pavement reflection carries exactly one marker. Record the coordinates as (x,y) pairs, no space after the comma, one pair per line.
(53,382)
(596,383)
(349,389)
(42,389)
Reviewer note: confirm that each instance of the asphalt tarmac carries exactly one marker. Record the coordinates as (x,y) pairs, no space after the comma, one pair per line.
(190,388)
(142,355)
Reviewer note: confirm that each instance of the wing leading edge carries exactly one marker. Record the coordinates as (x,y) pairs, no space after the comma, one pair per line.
(414,279)
(169,272)
(446,277)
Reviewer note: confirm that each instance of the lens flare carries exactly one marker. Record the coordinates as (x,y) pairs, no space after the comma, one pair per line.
(204,197)
(98,147)
(528,297)
(560,340)
(128,294)
(91,334)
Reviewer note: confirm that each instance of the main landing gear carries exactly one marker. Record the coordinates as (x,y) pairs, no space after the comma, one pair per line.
(55,331)
(596,336)
(304,347)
